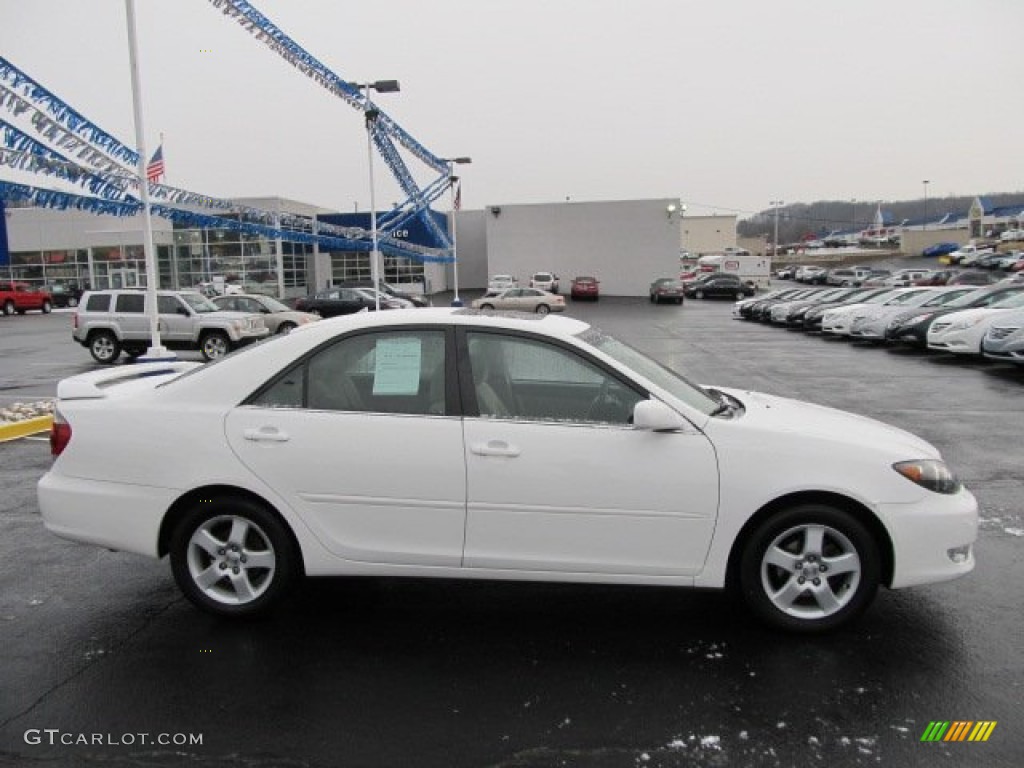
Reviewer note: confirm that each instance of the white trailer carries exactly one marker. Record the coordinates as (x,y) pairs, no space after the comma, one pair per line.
(750,268)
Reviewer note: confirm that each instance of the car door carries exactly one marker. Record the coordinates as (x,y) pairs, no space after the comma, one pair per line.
(175,319)
(558,480)
(362,439)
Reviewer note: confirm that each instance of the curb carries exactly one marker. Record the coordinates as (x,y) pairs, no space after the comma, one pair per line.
(18,429)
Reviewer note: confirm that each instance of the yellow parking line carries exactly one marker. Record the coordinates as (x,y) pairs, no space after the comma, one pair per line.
(17,429)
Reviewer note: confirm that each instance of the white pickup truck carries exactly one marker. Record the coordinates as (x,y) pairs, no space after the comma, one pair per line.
(968,254)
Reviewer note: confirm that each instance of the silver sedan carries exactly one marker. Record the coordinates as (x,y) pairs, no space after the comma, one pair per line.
(278,317)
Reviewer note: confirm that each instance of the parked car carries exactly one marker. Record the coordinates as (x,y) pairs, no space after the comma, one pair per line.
(835,323)
(666,289)
(877,278)
(521,300)
(1004,340)
(971,277)
(22,297)
(936,277)
(64,295)
(585,287)
(847,275)
(416,299)
(346,301)
(787,272)
(544,281)
(940,249)
(961,332)
(804,509)
(791,313)
(499,283)
(911,326)
(815,315)
(968,254)
(278,317)
(811,275)
(901,278)
(1010,235)
(110,322)
(719,285)
(870,323)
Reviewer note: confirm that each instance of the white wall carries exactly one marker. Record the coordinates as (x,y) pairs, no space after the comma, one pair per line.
(624,244)
(45,229)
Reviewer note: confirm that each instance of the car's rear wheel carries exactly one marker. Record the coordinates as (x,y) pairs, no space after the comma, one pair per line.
(232,556)
(486,307)
(8,307)
(284,328)
(810,568)
(47,307)
(740,295)
(72,302)
(104,347)
(542,309)
(215,345)
(699,295)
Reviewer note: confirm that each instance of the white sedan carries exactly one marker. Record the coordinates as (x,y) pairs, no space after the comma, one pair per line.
(962,332)
(447,443)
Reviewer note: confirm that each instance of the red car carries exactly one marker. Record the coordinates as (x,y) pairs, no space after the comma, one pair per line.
(584,287)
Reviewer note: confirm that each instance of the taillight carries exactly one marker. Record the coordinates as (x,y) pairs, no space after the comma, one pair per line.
(60,434)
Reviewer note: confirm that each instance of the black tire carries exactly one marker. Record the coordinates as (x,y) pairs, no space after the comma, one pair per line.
(679,300)
(698,295)
(47,307)
(740,295)
(486,307)
(542,309)
(232,556)
(8,307)
(780,564)
(104,347)
(214,345)
(652,299)
(72,302)
(284,328)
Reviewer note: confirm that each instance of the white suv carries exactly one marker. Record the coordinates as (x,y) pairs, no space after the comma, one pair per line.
(110,322)
(544,281)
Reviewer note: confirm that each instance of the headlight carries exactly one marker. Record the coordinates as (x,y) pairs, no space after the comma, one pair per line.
(915,319)
(929,473)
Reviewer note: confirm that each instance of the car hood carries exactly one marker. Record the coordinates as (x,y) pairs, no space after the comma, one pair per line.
(819,425)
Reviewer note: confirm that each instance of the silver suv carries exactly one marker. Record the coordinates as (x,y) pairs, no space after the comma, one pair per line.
(110,322)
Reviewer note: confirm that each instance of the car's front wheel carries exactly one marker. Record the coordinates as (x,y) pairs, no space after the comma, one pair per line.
(232,556)
(542,309)
(215,345)
(104,347)
(47,307)
(699,295)
(286,327)
(810,568)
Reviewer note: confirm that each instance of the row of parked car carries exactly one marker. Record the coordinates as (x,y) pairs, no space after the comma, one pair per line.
(960,319)
(869,277)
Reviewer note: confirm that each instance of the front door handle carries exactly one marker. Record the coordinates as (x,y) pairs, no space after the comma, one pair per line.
(266,435)
(495,448)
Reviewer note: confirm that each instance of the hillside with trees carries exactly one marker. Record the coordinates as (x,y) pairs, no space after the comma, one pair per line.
(819,218)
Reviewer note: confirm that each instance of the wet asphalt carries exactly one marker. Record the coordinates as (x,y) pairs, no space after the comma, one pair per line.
(371,672)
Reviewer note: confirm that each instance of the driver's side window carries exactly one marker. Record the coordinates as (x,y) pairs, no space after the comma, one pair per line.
(520,378)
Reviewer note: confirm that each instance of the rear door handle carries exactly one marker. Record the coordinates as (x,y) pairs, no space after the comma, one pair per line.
(495,448)
(266,435)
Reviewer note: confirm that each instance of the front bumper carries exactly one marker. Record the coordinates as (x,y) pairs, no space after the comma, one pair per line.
(925,533)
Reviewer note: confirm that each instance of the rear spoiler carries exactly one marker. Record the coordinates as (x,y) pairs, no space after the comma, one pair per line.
(90,386)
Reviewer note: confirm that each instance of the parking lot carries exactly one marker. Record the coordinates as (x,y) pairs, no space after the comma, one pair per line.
(375,672)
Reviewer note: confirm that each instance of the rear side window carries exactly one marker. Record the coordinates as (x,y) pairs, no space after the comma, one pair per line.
(98,302)
(130,302)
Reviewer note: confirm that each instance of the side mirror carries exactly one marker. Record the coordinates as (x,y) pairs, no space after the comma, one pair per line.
(656,416)
(183,311)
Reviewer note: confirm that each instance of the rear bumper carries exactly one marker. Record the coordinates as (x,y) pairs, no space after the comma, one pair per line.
(112,515)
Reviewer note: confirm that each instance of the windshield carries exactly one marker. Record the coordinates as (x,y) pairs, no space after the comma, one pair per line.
(665,378)
(199,303)
(1017,300)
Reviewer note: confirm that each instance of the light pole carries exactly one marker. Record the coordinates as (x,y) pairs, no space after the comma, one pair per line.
(853,216)
(371,114)
(775,239)
(456,205)
(924,224)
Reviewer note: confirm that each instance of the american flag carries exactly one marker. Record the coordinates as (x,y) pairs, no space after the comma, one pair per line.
(155,169)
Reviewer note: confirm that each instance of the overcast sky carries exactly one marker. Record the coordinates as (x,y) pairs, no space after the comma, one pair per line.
(726,105)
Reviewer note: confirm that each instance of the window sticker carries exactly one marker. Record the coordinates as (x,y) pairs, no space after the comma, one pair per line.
(397,368)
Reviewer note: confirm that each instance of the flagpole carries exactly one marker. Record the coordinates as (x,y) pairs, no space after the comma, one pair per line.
(156,350)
